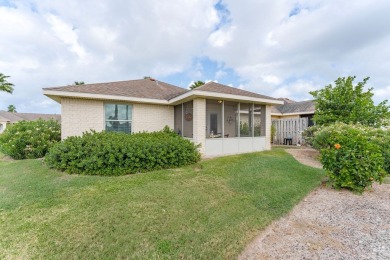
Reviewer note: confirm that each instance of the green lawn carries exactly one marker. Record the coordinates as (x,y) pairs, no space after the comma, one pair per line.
(210,210)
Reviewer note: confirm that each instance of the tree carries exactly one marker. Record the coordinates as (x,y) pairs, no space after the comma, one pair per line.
(348,103)
(79,83)
(12,109)
(196,84)
(5,85)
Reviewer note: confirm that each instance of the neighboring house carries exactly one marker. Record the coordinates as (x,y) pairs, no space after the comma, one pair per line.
(291,119)
(7,118)
(223,119)
(292,109)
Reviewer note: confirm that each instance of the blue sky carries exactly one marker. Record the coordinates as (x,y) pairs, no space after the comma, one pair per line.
(278,48)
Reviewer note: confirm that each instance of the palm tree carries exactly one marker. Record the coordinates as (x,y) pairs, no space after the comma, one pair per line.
(5,85)
(12,109)
(196,84)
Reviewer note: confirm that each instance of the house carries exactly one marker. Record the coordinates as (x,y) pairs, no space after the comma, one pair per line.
(7,118)
(292,109)
(291,119)
(222,119)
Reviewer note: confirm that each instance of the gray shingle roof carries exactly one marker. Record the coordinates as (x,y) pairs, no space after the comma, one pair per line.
(15,117)
(295,107)
(219,88)
(141,88)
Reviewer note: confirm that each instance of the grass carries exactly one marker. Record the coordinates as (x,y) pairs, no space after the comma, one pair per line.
(210,210)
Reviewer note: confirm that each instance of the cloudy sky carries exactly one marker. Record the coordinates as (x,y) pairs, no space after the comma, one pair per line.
(281,48)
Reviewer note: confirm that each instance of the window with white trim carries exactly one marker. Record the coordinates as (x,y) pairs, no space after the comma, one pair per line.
(118,117)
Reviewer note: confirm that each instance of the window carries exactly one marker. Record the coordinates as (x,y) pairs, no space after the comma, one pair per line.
(118,117)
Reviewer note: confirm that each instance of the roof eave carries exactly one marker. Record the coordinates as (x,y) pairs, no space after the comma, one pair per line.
(293,114)
(57,95)
(214,95)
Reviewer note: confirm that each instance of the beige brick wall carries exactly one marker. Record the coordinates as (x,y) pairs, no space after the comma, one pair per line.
(81,115)
(149,117)
(199,118)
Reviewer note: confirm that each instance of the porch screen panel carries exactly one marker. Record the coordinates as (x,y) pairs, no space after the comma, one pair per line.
(178,124)
(188,122)
(246,120)
(257,121)
(230,119)
(213,118)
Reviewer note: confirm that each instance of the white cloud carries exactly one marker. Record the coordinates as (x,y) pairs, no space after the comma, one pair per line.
(220,74)
(221,37)
(322,41)
(382,93)
(50,43)
(66,34)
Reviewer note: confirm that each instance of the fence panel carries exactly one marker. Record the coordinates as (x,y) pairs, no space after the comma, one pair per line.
(290,128)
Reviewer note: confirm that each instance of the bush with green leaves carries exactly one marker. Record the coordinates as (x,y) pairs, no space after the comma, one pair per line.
(30,139)
(382,139)
(309,133)
(111,153)
(349,156)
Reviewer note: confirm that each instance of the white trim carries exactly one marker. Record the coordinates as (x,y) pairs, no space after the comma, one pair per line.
(293,114)
(104,97)
(223,118)
(230,97)
(188,95)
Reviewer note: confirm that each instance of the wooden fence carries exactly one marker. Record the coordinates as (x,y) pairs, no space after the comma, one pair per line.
(289,128)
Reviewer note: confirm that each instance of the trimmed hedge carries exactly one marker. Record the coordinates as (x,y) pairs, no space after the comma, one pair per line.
(350,156)
(30,139)
(110,153)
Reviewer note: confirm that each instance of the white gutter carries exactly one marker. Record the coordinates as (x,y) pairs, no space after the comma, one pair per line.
(216,95)
(103,97)
(292,114)
(188,95)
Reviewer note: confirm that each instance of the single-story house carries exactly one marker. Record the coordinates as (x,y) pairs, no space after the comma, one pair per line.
(291,119)
(292,109)
(7,118)
(223,119)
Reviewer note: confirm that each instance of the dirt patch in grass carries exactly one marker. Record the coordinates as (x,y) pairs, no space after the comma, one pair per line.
(5,158)
(306,156)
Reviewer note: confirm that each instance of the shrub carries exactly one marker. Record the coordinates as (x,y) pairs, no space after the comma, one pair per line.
(110,153)
(349,156)
(382,139)
(30,139)
(309,133)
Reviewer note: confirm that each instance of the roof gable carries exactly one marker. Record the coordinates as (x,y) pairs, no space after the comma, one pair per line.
(220,88)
